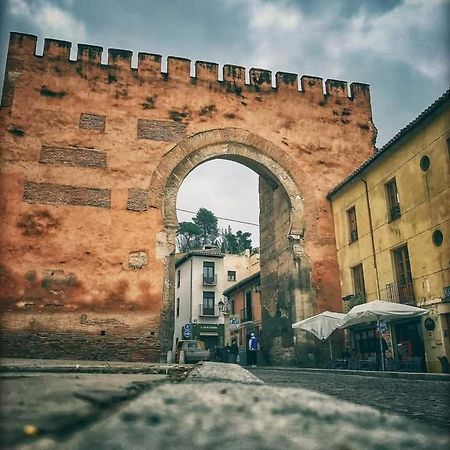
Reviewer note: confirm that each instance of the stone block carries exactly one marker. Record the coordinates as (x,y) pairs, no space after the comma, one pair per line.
(161,130)
(137,260)
(137,199)
(92,122)
(72,156)
(59,194)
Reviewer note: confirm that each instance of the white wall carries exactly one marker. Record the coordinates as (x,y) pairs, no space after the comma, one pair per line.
(244,265)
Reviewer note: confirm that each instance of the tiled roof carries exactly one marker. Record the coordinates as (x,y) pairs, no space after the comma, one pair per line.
(390,144)
(211,252)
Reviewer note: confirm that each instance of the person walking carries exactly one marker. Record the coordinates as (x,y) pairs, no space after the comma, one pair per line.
(234,351)
(252,350)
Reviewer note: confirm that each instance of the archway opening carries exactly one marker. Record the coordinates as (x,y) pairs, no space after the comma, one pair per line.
(286,294)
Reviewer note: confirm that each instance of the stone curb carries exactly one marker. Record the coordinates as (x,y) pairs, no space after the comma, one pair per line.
(207,371)
(112,367)
(367,373)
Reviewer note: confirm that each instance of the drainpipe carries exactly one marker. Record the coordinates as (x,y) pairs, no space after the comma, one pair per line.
(372,239)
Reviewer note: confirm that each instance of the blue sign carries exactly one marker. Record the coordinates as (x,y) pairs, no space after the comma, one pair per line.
(187,332)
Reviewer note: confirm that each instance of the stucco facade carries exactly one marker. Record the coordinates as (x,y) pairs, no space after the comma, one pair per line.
(92,157)
(245,318)
(413,224)
(207,272)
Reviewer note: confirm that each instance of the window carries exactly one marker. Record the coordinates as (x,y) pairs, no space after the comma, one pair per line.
(178,278)
(208,273)
(425,163)
(403,288)
(208,303)
(437,238)
(233,307)
(353,228)
(358,280)
(178,307)
(402,266)
(393,200)
(231,275)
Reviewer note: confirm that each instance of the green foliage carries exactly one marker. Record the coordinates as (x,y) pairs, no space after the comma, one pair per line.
(207,221)
(235,243)
(188,236)
(203,231)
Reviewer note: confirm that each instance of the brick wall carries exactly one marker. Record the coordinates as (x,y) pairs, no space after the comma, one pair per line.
(88,156)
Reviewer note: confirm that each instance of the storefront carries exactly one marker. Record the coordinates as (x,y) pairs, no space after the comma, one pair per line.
(410,351)
(402,345)
(213,335)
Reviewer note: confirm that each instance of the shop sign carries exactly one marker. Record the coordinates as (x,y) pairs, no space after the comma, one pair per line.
(382,327)
(207,327)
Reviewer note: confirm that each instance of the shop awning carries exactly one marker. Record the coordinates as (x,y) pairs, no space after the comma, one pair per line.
(320,325)
(378,310)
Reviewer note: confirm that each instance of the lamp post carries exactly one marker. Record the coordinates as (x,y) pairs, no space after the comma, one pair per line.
(224,308)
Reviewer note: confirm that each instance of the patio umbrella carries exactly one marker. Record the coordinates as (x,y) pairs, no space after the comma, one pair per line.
(321,325)
(378,310)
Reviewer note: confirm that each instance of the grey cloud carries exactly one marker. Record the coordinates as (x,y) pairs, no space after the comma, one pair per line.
(346,8)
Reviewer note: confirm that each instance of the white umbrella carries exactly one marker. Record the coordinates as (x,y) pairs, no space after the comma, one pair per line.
(321,325)
(379,310)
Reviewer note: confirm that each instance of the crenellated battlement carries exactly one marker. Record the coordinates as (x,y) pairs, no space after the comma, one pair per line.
(149,67)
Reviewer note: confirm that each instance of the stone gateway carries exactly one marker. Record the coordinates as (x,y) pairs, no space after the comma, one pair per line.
(92,157)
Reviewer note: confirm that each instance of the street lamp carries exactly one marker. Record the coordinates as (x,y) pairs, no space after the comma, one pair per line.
(224,306)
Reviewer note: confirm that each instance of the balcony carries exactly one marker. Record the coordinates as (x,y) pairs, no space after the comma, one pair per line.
(246,315)
(352,300)
(401,293)
(208,312)
(210,280)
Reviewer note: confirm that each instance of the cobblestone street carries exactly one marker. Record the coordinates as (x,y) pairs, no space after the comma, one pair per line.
(423,401)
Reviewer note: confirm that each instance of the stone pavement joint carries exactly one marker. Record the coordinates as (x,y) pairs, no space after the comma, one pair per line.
(86,366)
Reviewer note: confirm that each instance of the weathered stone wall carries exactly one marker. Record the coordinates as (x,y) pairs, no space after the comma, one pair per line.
(92,156)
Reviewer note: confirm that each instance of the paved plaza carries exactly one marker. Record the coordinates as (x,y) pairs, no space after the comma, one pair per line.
(84,405)
(422,400)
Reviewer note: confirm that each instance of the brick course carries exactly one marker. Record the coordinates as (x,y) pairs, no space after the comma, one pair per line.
(59,194)
(76,157)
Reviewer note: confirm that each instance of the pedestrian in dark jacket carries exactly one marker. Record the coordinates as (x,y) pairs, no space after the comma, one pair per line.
(234,350)
(252,350)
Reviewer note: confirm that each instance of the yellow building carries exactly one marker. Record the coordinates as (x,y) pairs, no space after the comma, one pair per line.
(391,219)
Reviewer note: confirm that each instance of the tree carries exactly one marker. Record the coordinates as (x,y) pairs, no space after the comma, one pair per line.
(229,242)
(235,243)
(188,236)
(244,241)
(207,222)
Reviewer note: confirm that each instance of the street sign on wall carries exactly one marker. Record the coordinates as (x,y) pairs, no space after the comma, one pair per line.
(187,331)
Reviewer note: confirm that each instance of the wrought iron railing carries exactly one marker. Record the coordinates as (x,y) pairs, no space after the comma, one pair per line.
(209,311)
(353,235)
(352,300)
(401,293)
(394,212)
(209,280)
(246,315)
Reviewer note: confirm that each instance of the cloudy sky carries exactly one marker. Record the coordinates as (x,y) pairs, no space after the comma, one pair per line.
(399,47)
